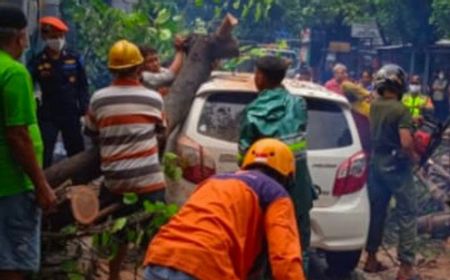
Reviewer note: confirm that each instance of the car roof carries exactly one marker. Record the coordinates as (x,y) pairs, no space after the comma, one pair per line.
(239,82)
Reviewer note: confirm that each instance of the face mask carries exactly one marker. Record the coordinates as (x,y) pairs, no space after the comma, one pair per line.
(414,88)
(441,76)
(56,44)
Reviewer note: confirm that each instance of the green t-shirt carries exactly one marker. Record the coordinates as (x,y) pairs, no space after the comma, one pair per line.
(17,108)
(387,117)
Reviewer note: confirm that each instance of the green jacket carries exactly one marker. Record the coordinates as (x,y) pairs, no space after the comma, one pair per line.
(278,114)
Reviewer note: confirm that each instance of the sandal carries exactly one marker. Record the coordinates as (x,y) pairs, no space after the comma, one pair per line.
(378,267)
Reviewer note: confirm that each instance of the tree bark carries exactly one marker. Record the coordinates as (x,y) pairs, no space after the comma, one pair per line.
(196,70)
(80,169)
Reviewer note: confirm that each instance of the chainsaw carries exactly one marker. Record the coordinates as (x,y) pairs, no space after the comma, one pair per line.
(428,136)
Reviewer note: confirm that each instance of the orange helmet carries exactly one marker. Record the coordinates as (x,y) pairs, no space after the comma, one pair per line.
(273,154)
(53,22)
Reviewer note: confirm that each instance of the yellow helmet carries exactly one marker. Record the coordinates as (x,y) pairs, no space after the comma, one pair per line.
(273,154)
(124,54)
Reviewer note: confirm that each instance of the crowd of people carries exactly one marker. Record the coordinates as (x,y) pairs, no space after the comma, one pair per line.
(252,222)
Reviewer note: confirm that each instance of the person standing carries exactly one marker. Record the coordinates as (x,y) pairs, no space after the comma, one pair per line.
(61,76)
(340,75)
(23,184)
(416,101)
(231,221)
(278,114)
(123,121)
(391,165)
(440,98)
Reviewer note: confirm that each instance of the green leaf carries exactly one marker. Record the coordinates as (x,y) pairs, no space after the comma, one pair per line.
(245,11)
(258,12)
(105,239)
(139,238)
(119,224)
(70,229)
(163,17)
(149,207)
(130,198)
(172,209)
(165,34)
(198,3)
(236,4)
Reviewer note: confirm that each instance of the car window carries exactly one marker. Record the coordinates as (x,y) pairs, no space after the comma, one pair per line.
(222,112)
(327,125)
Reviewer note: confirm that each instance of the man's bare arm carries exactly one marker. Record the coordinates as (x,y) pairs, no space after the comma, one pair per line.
(22,149)
(177,63)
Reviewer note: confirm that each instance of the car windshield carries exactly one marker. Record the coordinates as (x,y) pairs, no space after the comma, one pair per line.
(222,113)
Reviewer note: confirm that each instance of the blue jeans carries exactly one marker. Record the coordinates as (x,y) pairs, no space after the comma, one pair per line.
(155,272)
(20,233)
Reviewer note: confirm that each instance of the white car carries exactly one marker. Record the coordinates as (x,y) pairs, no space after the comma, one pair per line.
(340,218)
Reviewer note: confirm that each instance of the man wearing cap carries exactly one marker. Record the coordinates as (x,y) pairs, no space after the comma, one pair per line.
(61,76)
(22,183)
(278,114)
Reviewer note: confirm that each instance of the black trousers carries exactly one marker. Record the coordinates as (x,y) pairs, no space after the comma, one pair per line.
(70,129)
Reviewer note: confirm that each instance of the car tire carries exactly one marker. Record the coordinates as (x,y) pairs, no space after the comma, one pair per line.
(342,263)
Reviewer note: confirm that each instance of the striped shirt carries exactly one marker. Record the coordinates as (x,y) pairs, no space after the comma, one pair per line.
(123,119)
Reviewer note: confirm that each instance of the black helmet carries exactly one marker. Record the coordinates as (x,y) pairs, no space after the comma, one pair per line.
(390,77)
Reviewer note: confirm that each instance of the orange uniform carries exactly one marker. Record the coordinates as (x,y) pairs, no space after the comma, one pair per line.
(220,231)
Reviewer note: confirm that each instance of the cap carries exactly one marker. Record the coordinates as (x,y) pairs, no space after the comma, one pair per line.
(12,17)
(53,22)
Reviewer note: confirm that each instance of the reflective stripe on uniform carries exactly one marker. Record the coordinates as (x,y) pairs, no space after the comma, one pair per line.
(416,104)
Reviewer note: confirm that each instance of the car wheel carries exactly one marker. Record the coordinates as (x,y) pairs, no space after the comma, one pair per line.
(342,263)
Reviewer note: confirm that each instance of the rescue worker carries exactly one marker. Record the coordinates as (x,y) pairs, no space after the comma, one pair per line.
(123,120)
(391,165)
(278,114)
(230,221)
(417,102)
(61,76)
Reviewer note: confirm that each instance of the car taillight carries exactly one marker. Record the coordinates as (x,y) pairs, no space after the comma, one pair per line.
(194,160)
(351,175)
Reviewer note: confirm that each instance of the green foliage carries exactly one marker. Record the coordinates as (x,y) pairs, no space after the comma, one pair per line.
(98,26)
(130,198)
(121,230)
(171,168)
(440,16)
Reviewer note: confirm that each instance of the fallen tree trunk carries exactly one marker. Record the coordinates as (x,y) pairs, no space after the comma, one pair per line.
(79,169)
(436,224)
(195,71)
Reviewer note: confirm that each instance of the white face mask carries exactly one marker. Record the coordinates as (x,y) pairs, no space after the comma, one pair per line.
(414,88)
(56,44)
(441,76)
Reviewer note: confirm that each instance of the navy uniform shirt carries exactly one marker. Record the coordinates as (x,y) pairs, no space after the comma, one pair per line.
(63,85)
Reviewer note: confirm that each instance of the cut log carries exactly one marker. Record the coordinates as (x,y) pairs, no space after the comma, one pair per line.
(84,203)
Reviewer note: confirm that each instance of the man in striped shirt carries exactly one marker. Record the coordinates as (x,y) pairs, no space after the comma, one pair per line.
(123,119)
